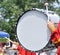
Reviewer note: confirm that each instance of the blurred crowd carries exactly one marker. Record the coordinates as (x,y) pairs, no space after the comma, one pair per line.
(7,45)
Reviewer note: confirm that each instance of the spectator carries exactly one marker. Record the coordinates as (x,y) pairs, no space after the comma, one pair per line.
(1,50)
(22,51)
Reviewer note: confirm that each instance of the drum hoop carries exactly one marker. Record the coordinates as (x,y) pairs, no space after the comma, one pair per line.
(16,29)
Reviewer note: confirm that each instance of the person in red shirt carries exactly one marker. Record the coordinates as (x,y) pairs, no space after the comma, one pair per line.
(22,51)
(55,35)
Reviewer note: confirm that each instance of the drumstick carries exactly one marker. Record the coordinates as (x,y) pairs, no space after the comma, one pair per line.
(46,4)
(9,39)
(12,41)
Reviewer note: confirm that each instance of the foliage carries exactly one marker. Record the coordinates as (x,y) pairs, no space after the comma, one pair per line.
(58,11)
(11,12)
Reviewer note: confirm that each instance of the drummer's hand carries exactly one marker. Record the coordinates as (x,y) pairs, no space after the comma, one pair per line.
(4,47)
(16,43)
(51,26)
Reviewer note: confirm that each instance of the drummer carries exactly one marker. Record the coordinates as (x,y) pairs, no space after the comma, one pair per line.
(55,35)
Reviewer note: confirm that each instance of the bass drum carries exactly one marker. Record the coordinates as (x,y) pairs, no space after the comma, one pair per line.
(32,31)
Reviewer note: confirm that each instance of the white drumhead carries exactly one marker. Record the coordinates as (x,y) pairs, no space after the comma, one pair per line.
(32,30)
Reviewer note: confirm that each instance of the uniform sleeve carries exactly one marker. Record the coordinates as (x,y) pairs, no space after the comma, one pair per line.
(19,49)
(55,36)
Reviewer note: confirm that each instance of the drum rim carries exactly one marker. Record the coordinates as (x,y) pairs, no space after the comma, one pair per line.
(16,29)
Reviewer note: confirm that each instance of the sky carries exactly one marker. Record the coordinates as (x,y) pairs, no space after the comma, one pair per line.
(59,0)
(56,4)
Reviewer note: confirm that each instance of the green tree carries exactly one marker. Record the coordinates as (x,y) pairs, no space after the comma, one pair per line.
(10,11)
